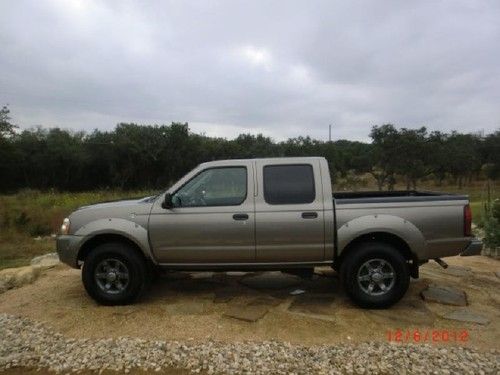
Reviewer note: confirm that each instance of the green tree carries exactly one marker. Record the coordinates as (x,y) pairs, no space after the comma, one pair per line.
(462,156)
(384,155)
(411,161)
(6,127)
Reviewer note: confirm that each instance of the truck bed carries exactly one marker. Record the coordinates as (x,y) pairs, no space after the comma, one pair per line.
(393,196)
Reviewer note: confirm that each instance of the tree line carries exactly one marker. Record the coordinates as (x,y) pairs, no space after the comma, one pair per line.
(136,156)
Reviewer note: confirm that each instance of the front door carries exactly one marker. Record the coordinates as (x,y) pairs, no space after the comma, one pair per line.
(212,220)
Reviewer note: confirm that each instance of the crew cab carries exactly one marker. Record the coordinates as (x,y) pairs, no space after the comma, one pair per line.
(266,214)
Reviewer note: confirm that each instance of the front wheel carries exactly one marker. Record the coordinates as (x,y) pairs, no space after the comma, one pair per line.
(375,275)
(114,274)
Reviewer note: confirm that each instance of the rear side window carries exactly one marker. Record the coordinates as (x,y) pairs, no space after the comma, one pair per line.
(289,184)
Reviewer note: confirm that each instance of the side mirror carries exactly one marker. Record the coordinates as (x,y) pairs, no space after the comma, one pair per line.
(167,202)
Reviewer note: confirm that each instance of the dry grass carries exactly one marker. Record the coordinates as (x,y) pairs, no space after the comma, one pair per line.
(29,218)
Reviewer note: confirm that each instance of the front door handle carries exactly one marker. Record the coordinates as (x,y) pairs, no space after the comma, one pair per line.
(309,215)
(240,217)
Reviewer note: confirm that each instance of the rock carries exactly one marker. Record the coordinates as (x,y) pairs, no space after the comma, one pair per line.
(45,261)
(17,277)
(446,295)
(465,315)
(271,280)
(319,304)
(26,275)
(248,313)
(3,286)
(497,273)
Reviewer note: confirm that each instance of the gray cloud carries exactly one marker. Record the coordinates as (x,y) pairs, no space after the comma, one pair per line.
(284,68)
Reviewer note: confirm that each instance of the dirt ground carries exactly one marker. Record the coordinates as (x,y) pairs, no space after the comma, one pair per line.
(182,306)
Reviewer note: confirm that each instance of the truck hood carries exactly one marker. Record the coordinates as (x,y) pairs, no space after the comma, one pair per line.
(119,203)
(135,210)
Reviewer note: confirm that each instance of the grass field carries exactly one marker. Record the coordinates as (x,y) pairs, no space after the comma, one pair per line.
(29,218)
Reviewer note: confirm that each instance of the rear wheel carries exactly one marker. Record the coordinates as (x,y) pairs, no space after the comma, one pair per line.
(114,274)
(375,275)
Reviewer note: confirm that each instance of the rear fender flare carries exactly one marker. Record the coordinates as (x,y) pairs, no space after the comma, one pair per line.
(394,225)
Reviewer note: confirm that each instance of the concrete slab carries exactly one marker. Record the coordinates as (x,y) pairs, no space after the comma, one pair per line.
(317,304)
(265,301)
(445,295)
(458,271)
(467,316)
(202,275)
(247,313)
(196,286)
(226,294)
(325,272)
(237,273)
(173,275)
(271,281)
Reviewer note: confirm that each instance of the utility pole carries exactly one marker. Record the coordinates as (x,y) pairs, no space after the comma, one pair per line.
(330,133)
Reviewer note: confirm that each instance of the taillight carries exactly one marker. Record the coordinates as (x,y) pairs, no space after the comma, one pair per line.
(467,221)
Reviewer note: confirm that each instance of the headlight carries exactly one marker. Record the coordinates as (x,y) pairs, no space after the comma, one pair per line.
(65,226)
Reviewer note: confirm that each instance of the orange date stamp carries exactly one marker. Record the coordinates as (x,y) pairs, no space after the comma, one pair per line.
(427,335)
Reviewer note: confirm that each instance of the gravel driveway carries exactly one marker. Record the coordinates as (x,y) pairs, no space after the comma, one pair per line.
(26,343)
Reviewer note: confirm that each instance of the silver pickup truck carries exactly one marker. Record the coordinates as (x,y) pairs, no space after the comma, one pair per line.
(266,214)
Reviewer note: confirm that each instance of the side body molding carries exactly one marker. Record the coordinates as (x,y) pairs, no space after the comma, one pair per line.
(382,223)
(126,228)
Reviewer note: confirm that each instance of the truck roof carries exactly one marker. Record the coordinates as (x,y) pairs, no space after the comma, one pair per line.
(298,159)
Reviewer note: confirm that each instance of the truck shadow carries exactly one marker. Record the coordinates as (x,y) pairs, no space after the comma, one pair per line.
(226,287)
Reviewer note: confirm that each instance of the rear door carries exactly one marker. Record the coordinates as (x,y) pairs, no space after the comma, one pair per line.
(289,211)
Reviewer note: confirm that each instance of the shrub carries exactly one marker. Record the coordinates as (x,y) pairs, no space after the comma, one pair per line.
(491,223)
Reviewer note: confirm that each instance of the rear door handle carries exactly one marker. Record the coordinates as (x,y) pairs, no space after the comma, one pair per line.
(309,215)
(240,217)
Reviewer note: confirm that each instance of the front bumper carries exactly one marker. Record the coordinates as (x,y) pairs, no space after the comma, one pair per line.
(67,248)
(473,248)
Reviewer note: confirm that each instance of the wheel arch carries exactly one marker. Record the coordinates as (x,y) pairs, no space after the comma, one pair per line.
(389,238)
(379,236)
(114,229)
(391,229)
(102,238)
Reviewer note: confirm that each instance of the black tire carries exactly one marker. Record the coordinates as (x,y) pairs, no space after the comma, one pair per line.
(384,257)
(122,257)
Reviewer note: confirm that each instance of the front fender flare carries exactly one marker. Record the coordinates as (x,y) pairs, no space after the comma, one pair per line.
(128,229)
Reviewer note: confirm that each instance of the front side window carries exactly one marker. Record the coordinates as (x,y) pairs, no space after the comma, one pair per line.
(289,184)
(214,187)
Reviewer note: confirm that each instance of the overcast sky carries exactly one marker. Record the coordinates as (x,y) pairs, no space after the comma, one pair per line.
(283,68)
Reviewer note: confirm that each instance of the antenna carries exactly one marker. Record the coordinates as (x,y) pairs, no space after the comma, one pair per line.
(330,133)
